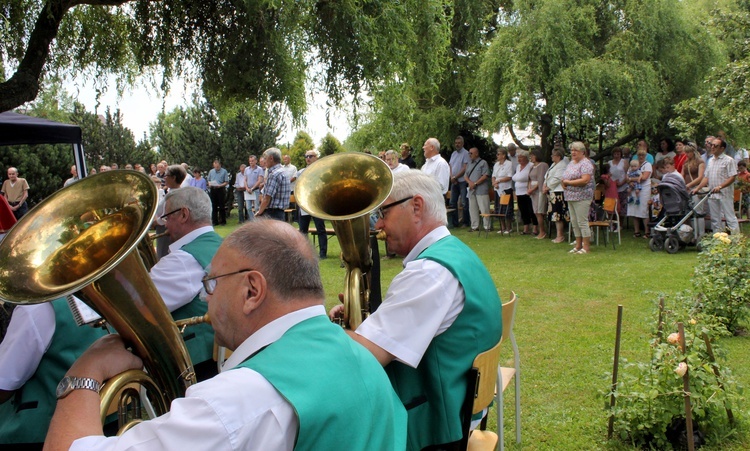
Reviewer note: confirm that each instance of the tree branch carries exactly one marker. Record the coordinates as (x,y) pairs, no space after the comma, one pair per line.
(23,86)
(627,138)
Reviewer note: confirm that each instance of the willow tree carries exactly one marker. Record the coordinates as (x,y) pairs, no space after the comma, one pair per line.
(607,71)
(259,50)
(432,97)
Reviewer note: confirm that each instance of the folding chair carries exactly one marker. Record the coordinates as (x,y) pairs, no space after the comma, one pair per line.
(501,213)
(609,220)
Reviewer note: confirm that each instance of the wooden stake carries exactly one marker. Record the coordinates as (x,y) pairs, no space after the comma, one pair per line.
(711,356)
(615,368)
(686,390)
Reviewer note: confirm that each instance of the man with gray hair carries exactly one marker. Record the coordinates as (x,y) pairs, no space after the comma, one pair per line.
(435,165)
(277,189)
(459,162)
(177,276)
(266,301)
(438,314)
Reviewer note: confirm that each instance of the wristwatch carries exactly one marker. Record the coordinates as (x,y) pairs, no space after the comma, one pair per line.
(70,383)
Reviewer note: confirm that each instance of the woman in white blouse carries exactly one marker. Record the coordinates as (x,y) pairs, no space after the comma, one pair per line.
(521,180)
(502,173)
(553,189)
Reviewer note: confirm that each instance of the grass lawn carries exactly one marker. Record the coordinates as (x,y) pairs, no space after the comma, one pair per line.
(565,328)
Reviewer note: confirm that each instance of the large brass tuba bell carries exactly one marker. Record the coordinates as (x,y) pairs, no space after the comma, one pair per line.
(83,239)
(344,188)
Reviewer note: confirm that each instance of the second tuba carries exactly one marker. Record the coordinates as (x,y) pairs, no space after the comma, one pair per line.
(84,240)
(344,189)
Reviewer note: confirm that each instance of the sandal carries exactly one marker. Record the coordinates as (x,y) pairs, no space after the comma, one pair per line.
(541,237)
(637,235)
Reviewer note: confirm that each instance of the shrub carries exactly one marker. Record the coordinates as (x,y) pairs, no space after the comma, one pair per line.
(722,279)
(650,395)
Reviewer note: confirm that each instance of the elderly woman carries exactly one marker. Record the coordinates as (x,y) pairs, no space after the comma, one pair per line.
(578,185)
(502,174)
(554,191)
(639,210)
(536,183)
(618,170)
(693,171)
(391,158)
(521,179)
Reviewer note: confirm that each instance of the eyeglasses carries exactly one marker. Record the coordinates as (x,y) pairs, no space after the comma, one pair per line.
(309,156)
(209,283)
(381,210)
(164,217)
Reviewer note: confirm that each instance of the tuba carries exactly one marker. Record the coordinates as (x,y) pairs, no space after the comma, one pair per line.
(84,239)
(344,188)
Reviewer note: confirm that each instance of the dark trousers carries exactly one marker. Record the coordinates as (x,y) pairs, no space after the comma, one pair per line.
(526,208)
(459,191)
(239,197)
(320,227)
(218,213)
(274,213)
(21,210)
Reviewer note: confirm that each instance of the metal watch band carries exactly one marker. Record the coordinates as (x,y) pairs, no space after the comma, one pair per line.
(85,382)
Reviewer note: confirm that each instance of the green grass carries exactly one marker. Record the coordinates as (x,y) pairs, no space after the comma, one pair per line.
(565,328)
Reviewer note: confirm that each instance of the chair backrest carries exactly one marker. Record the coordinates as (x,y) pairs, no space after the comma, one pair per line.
(505,199)
(509,316)
(737,195)
(486,365)
(610,204)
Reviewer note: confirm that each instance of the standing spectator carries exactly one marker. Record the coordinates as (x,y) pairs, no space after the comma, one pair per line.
(643,145)
(239,194)
(198,181)
(16,191)
(458,163)
(218,179)
(638,209)
(391,158)
(666,149)
(502,173)
(290,170)
(276,189)
(188,177)
(554,190)
(73,176)
(679,155)
(720,174)
(477,180)
(173,178)
(693,172)
(538,198)
(253,180)
(406,157)
(521,182)
(578,184)
(618,167)
(311,156)
(435,165)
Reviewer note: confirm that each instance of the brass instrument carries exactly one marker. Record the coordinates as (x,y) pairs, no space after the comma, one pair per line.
(344,188)
(83,239)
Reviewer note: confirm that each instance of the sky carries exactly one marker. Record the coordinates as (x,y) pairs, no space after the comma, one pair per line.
(140,106)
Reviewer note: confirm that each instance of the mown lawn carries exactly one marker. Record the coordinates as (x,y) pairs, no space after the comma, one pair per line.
(565,328)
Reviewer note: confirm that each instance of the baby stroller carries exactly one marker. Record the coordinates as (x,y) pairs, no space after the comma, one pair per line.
(675,230)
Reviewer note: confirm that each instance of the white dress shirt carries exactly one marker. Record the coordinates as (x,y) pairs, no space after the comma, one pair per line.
(178,275)
(237,409)
(422,302)
(28,337)
(437,167)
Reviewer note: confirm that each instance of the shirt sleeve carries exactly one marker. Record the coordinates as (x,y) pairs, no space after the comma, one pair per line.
(213,416)
(421,303)
(28,337)
(177,277)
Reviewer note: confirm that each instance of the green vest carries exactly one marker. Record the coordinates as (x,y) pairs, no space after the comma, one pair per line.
(434,392)
(25,417)
(199,339)
(339,392)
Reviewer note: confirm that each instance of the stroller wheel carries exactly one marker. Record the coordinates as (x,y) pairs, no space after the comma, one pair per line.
(656,243)
(672,244)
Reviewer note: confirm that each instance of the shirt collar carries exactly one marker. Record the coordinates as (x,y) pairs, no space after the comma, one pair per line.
(189,237)
(270,333)
(428,240)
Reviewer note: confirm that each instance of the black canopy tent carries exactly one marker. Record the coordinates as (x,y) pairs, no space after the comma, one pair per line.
(20,129)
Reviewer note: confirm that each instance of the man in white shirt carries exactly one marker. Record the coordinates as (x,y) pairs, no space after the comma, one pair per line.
(459,194)
(435,165)
(721,171)
(275,391)
(438,314)
(239,193)
(290,170)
